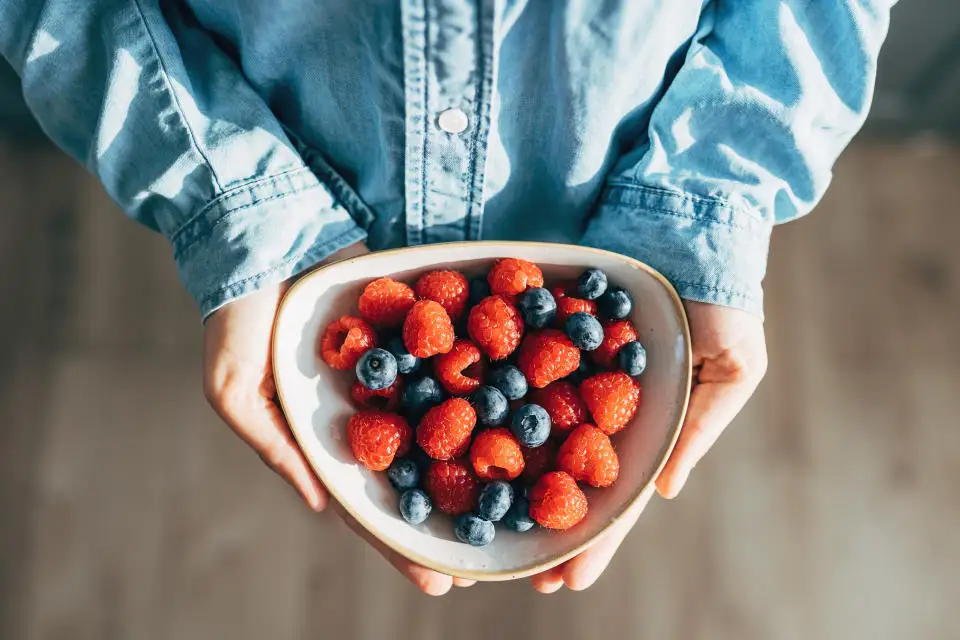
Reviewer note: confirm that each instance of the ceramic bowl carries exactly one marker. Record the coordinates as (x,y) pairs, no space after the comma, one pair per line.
(316,401)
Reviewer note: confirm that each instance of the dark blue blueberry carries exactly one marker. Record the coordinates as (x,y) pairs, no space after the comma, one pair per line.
(407,363)
(510,381)
(403,474)
(584,331)
(474,530)
(415,505)
(537,307)
(518,516)
(491,405)
(632,358)
(591,284)
(377,369)
(584,370)
(531,425)
(495,498)
(615,304)
(420,395)
(479,289)
(419,456)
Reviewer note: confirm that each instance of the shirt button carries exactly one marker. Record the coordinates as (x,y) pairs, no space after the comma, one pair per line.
(453,121)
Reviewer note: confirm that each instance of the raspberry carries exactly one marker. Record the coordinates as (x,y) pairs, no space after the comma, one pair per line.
(496,326)
(387,398)
(566,307)
(588,456)
(546,356)
(562,289)
(496,455)
(564,405)
(385,302)
(444,432)
(461,370)
(615,335)
(377,436)
(448,288)
(452,486)
(538,460)
(556,502)
(612,398)
(427,330)
(511,276)
(345,340)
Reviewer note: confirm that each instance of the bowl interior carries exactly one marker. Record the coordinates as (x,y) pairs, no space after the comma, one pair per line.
(316,401)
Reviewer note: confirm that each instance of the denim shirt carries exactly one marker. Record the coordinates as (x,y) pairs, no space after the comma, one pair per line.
(260,136)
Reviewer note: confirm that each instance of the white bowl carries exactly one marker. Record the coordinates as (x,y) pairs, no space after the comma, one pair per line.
(315,399)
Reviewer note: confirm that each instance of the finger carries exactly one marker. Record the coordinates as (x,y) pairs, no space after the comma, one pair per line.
(713,405)
(429,581)
(259,422)
(550,581)
(582,571)
(463,582)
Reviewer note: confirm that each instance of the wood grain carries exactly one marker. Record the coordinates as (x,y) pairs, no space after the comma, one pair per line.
(827,511)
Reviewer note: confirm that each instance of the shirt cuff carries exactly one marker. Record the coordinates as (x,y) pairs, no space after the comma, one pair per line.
(258,234)
(709,250)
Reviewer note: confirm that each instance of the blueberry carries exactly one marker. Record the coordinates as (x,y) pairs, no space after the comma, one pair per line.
(591,284)
(537,307)
(495,498)
(420,395)
(531,425)
(415,505)
(518,516)
(377,369)
(491,405)
(420,457)
(403,474)
(407,363)
(584,331)
(474,530)
(479,289)
(632,358)
(615,304)
(584,370)
(510,381)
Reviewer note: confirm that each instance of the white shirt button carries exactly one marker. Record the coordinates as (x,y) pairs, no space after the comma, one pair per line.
(453,121)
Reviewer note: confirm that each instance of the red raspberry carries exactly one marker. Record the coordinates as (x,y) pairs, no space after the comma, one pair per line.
(496,455)
(588,456)
(538,460)
(377,436)
(511,276)
(345,340)
(444,432)
(385,302)
(496,326)
(427,330)
(612,398)
(461,370)
(383,399)
(566,307)
(449,288)
(564,405)
(546,356)
(556,502)
(562,289)
(615,335)
(452,486)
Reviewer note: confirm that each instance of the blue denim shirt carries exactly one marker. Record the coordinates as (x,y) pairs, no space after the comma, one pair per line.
(259,136)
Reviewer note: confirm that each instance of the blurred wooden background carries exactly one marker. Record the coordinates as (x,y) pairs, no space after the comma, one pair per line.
(828,511)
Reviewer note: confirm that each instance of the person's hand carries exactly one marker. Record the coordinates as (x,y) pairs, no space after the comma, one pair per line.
(729,360)
(238,383)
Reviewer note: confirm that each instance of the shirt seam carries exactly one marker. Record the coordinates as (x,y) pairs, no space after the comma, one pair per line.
(756,225)
(173,95)
(712,289)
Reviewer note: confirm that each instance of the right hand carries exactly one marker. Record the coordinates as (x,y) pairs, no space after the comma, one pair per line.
(238,383)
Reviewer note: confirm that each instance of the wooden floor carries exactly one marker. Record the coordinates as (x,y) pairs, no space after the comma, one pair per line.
(829,511)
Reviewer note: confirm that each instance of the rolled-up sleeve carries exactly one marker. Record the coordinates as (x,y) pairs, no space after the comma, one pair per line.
(744,137)
(144,98)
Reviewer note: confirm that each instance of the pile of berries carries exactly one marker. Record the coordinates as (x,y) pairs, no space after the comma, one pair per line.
(477,399)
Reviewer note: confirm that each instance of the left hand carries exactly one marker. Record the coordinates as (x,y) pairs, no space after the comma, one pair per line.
(729,360)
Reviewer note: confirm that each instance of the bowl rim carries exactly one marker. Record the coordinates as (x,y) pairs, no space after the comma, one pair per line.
(538,567)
